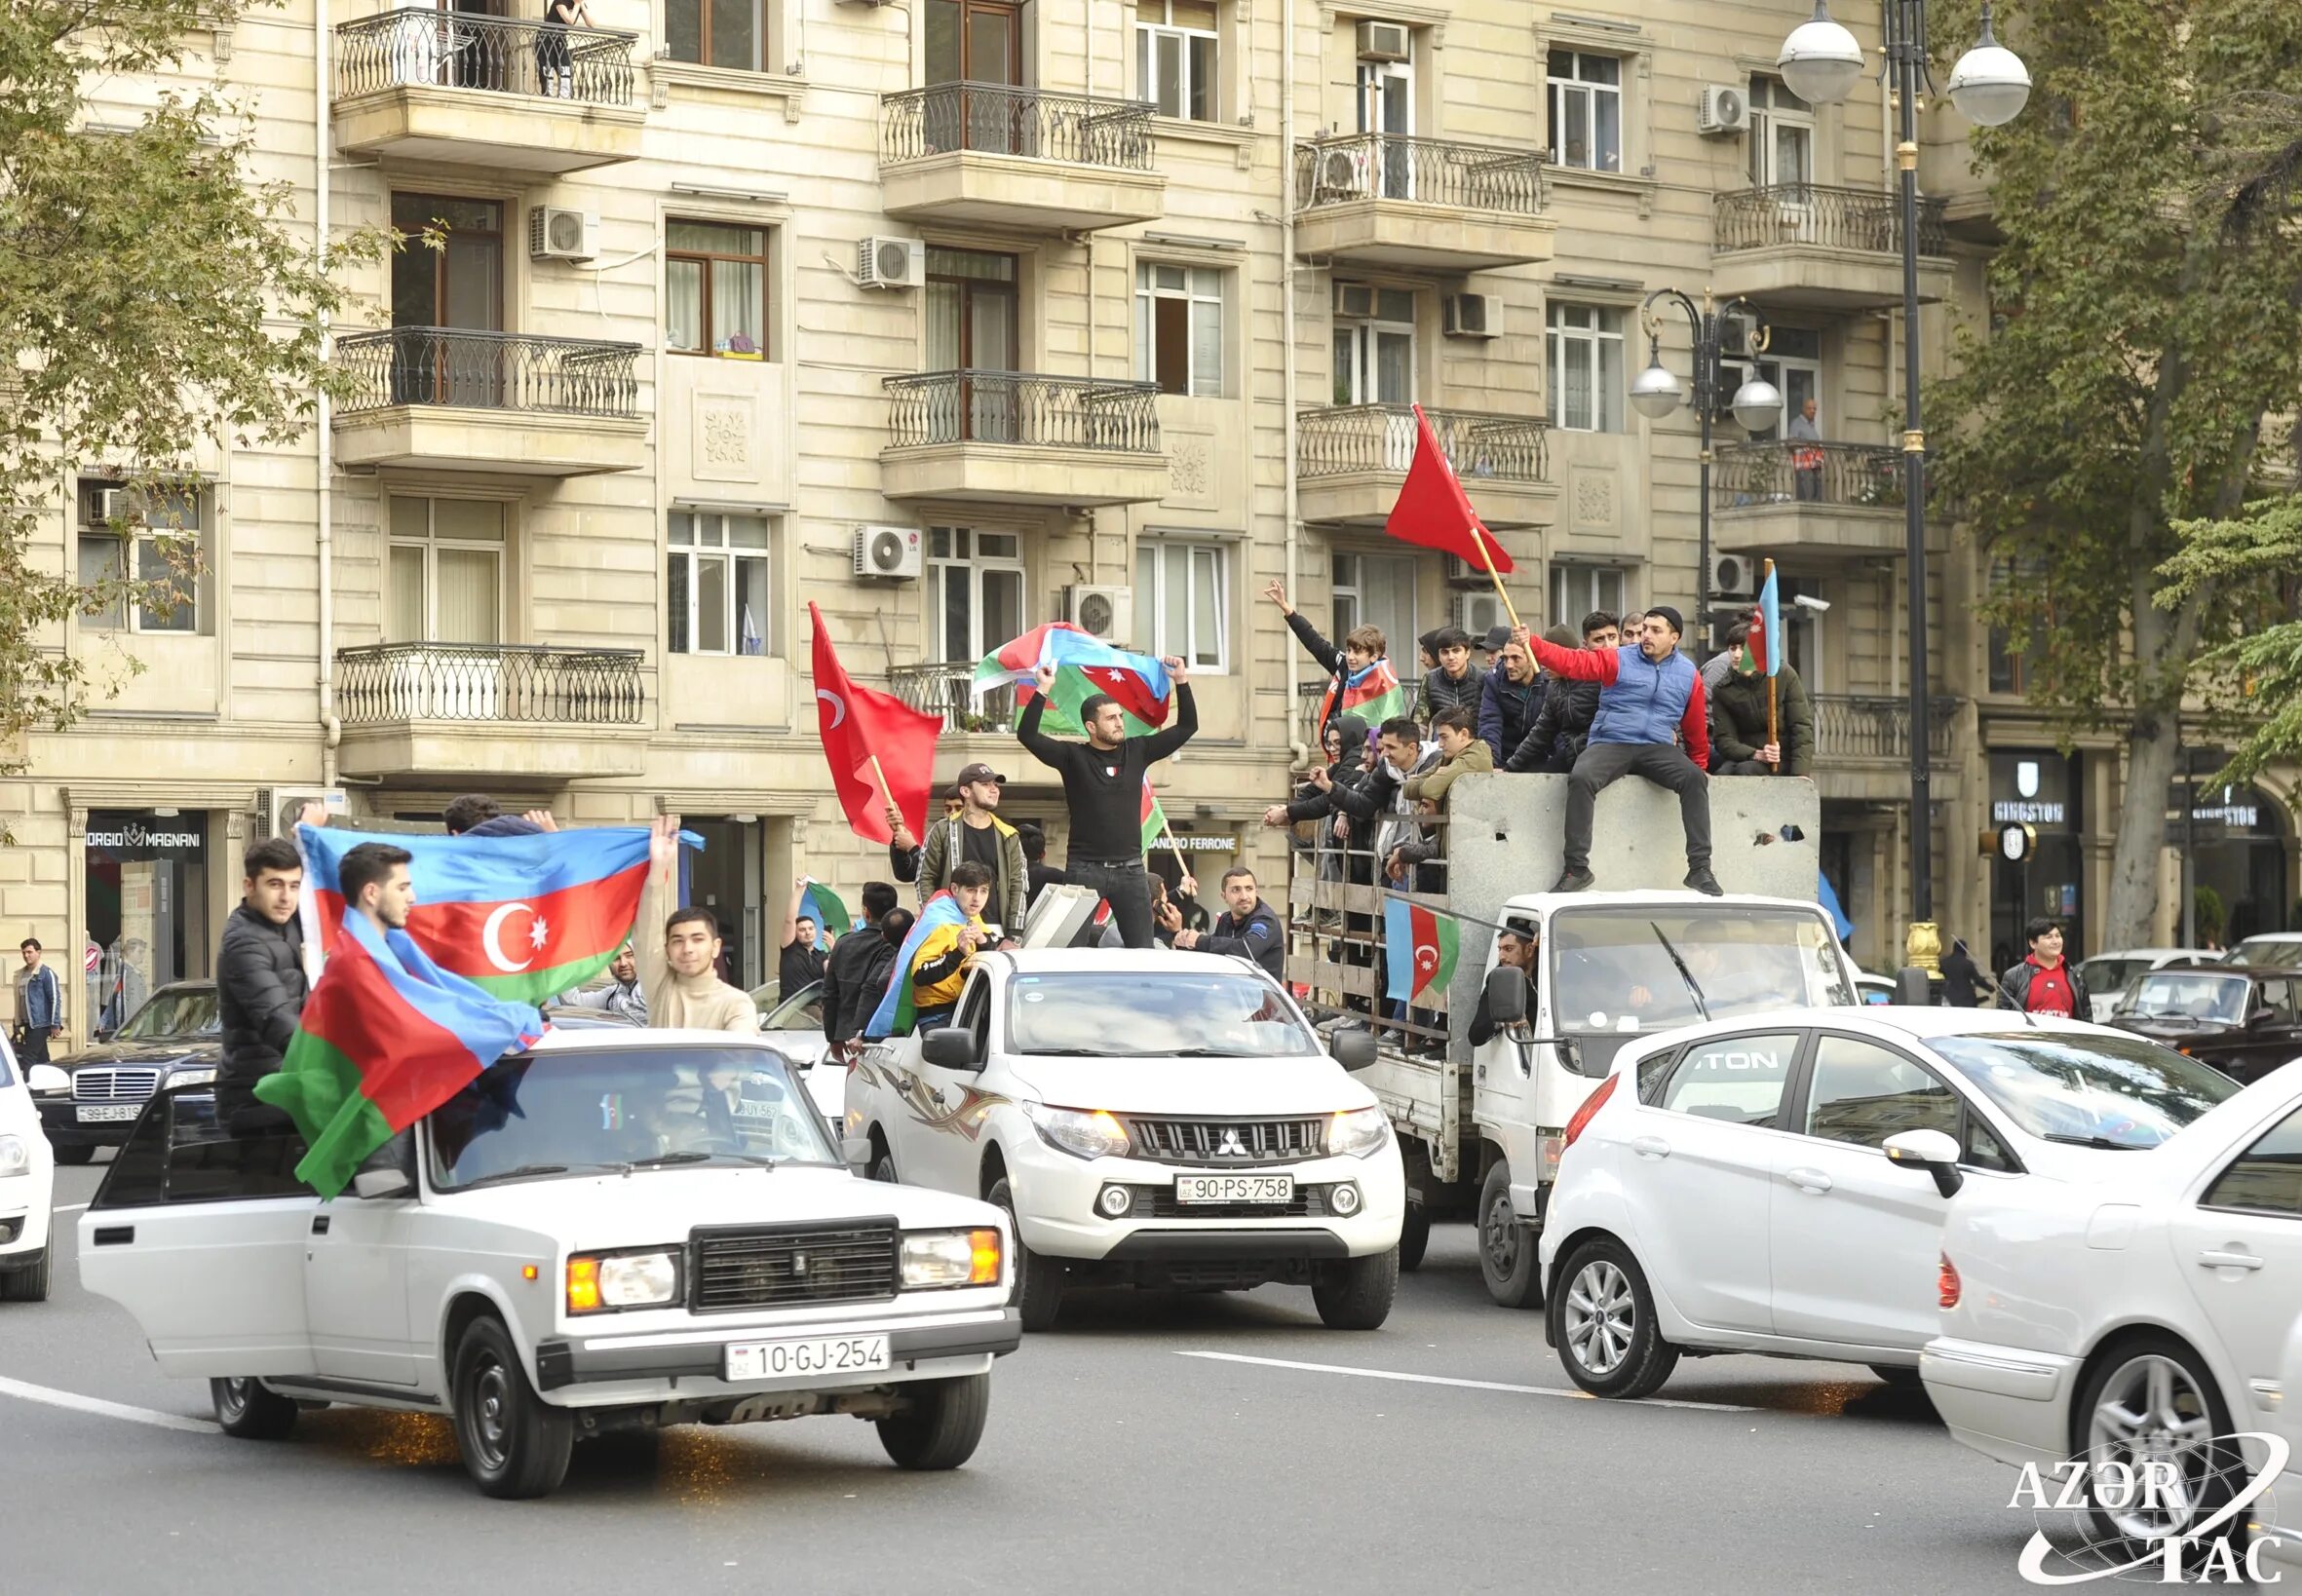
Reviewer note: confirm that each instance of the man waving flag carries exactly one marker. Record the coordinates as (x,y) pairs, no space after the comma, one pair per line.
(1083,666)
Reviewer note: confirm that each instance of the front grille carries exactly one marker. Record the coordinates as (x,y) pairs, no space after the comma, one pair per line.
(1159,1202)
(777,1266)
(1228,1144)
(100,1085)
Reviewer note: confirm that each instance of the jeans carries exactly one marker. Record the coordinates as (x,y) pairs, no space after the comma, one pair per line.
(1746,767)
(31,1047)
(1665,764)
(1126,886)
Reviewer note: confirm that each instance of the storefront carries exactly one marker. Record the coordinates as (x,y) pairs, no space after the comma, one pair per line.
(147,906)
(2239,842)
(2043,791)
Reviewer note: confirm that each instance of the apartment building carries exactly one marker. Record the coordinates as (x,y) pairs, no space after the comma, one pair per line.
(964,315)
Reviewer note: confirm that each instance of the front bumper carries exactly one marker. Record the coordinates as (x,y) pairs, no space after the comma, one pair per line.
(59,1122)
(1057,1215)
(688,1363)
(2007,1402)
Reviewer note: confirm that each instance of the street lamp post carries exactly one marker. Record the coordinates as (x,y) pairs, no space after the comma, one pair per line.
(1821,63)
(1656,393)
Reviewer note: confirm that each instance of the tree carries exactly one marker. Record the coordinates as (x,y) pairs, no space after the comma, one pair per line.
(151,294)
(2261,669)
(2136,349)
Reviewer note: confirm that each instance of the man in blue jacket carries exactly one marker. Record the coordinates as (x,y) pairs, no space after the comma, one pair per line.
(1650,697)
(1509,702)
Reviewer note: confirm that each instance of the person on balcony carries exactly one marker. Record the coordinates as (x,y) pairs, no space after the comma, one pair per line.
(1806,452)
(1740,744)
(555,62)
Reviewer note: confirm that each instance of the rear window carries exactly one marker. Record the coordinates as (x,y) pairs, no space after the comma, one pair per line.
(2117,1092)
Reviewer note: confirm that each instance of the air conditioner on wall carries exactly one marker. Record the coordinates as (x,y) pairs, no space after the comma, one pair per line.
(890,263)
(1480,613)
(558,234)
(270,801)
(1107,612)
(1471,314)
(1733,576)
(120,504)
(1385,41)
(887,551)
(1725,108)
(1355,301)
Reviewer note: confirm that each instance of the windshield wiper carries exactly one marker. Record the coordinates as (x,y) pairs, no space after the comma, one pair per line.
(2103,1142)
(529,1171)
(1069,1052)
(664,1159)
(1685,974)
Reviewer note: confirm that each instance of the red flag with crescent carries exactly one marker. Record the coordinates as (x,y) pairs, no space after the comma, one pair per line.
(870,740)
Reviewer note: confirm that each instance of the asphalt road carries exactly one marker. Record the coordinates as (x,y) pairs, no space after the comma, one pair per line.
(1154,1443)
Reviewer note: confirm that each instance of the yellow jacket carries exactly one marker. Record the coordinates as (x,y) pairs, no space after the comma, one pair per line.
(939,970)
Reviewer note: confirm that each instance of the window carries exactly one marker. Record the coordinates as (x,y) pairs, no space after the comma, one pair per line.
(2267,1177)
(2012,671)
(1578,590)
(717,584)
(445,578)
(1376,591)
(1793,364)
(1585,350)
(208,1164)
(715,33)
(1374,345)
(1175,57)
(716,275)
(1782,139)
(1862,1093)
(978,41)
(1179,328)
(975,587)
(1737,1078)
(1185,587)
(1585,111)
(167,539)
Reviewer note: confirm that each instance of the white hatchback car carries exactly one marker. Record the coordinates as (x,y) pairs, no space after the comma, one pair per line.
(1733,1187)
(28,1186)
(619,1229)
(1147,1118)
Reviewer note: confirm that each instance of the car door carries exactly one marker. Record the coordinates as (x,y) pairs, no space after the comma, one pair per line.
(200,1234)
(2274,1035)
(355,1289)
(2237,1244)
(1696,1171)
(948,1138)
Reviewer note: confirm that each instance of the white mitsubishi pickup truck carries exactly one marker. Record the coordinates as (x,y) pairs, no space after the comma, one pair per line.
(618,1229)
(1149,1118)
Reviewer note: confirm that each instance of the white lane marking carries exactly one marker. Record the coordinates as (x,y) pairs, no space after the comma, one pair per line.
(1467,1384)
(68,1207)
(108,1410)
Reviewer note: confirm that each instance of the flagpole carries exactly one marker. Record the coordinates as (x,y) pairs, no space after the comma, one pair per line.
(1481,535)
(1774,732)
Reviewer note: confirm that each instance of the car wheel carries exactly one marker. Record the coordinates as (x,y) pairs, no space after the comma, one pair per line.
(1038,1291)
(27,1282)
(244,1409)
(1506,1247)
(1901,1379)
(514,1443)
(75,1153)
(943,1424)
(2152,1404)
(1603,1321)
(1356,1293)
(1414,1237)
(883,1170)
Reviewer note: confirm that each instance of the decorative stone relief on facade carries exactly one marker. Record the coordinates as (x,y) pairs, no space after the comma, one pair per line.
(1190,470)
(723,440)
(1594,498)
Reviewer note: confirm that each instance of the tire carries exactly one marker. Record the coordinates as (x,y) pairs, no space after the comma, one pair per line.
(1356,1293)
(1414,1235)
(1506,1247)
(1038,1291)
(75,1153)
(943,1425)
(883,1170)
(27,1282)
(515,1444)
(1898,1379)
(244,1409)
(1603,1321)
(2177,1386)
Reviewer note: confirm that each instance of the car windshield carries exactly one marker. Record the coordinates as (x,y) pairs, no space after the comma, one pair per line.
(2266,950)
(802,1011)
(1613,976)
(2104,976)
(174,1011)
(2190,993)
(2093,1090)
(585,1111)
(1133,1015)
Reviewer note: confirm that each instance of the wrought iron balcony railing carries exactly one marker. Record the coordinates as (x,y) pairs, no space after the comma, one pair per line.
(491,55)
(1802,470)
(1428,170)
(948,690)
(489,682)
(490,371)
(1381,437)
(1835,218)
(997,119)
(1865,726)
(1022,407)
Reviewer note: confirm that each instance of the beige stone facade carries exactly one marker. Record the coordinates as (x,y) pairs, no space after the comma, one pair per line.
(568,561)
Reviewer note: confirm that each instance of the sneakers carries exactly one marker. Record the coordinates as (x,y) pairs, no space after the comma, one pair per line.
(1700,880)
(1572,880)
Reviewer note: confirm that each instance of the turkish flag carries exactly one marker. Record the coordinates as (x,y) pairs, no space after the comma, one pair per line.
(1435,512)
(861,725)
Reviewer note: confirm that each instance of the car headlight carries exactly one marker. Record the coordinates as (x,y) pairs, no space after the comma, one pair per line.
(603,1282)
(1355,1133)
(934,1260)
(15,1158)
(1082,1133)
(192,1077)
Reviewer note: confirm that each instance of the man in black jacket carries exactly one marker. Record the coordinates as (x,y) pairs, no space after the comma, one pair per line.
(854,976)
(259,974)
(1248,928)
(1514,945)
(1562,725)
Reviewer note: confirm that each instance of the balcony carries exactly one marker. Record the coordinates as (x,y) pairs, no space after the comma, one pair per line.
(1350,460)
(448,398)
(464,89)
(1806,247)
(1862,747)
(1828,501)
(948,690)
(483,709)
(1420,205)
(992,155)
(1017,438)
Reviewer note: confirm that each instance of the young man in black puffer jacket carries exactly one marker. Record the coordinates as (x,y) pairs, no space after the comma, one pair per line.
(259,974)
(1562,725)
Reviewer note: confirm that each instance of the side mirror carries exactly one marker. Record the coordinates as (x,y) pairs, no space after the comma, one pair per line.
(47,1080)
(1353,1050)
(372,1184)
(857,1151)
(102,1033)
(1932,1151)
(950,1049)
(1505,995)
(1913,988)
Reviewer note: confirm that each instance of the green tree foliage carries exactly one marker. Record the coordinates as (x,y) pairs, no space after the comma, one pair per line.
(2258,549)
(2136,348)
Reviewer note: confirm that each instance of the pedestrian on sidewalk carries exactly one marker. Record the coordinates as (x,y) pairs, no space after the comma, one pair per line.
(39,1006)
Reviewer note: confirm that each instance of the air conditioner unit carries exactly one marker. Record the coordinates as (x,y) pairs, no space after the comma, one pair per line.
(556,234)
(1725,108)
(1385,41)
(270,802)
(1107,612)
(1480,613)
(1355,301)
(1733,576)
(890,263)
(1471,314)
(117,505)
(1339,175)
(1737,334)
(889,552)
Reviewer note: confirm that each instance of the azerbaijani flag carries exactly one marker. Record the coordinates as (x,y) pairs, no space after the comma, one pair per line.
(1083,666)
(825,905)
(896,1011)
(525,918)
(1762,652)
(386,1037)
(1431,940)
(1372,692)
(1154,817)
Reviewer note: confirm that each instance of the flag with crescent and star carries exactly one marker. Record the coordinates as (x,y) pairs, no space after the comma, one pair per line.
(1419,948)
(525,918)
(880,750)
(1083,666)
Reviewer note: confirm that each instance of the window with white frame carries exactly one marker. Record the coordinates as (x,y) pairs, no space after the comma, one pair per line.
(1375,591)
(161,542)
(1578,590)
(1586,110)
(1374,345)
(1177,51)
(1179,328)
(975,592)
(1584,349)
(716,588)
(1184,589)
(1782,140)
(1793,364)
(444,581)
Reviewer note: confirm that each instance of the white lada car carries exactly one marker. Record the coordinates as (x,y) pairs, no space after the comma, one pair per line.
(1150,1118)
(615,1229)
